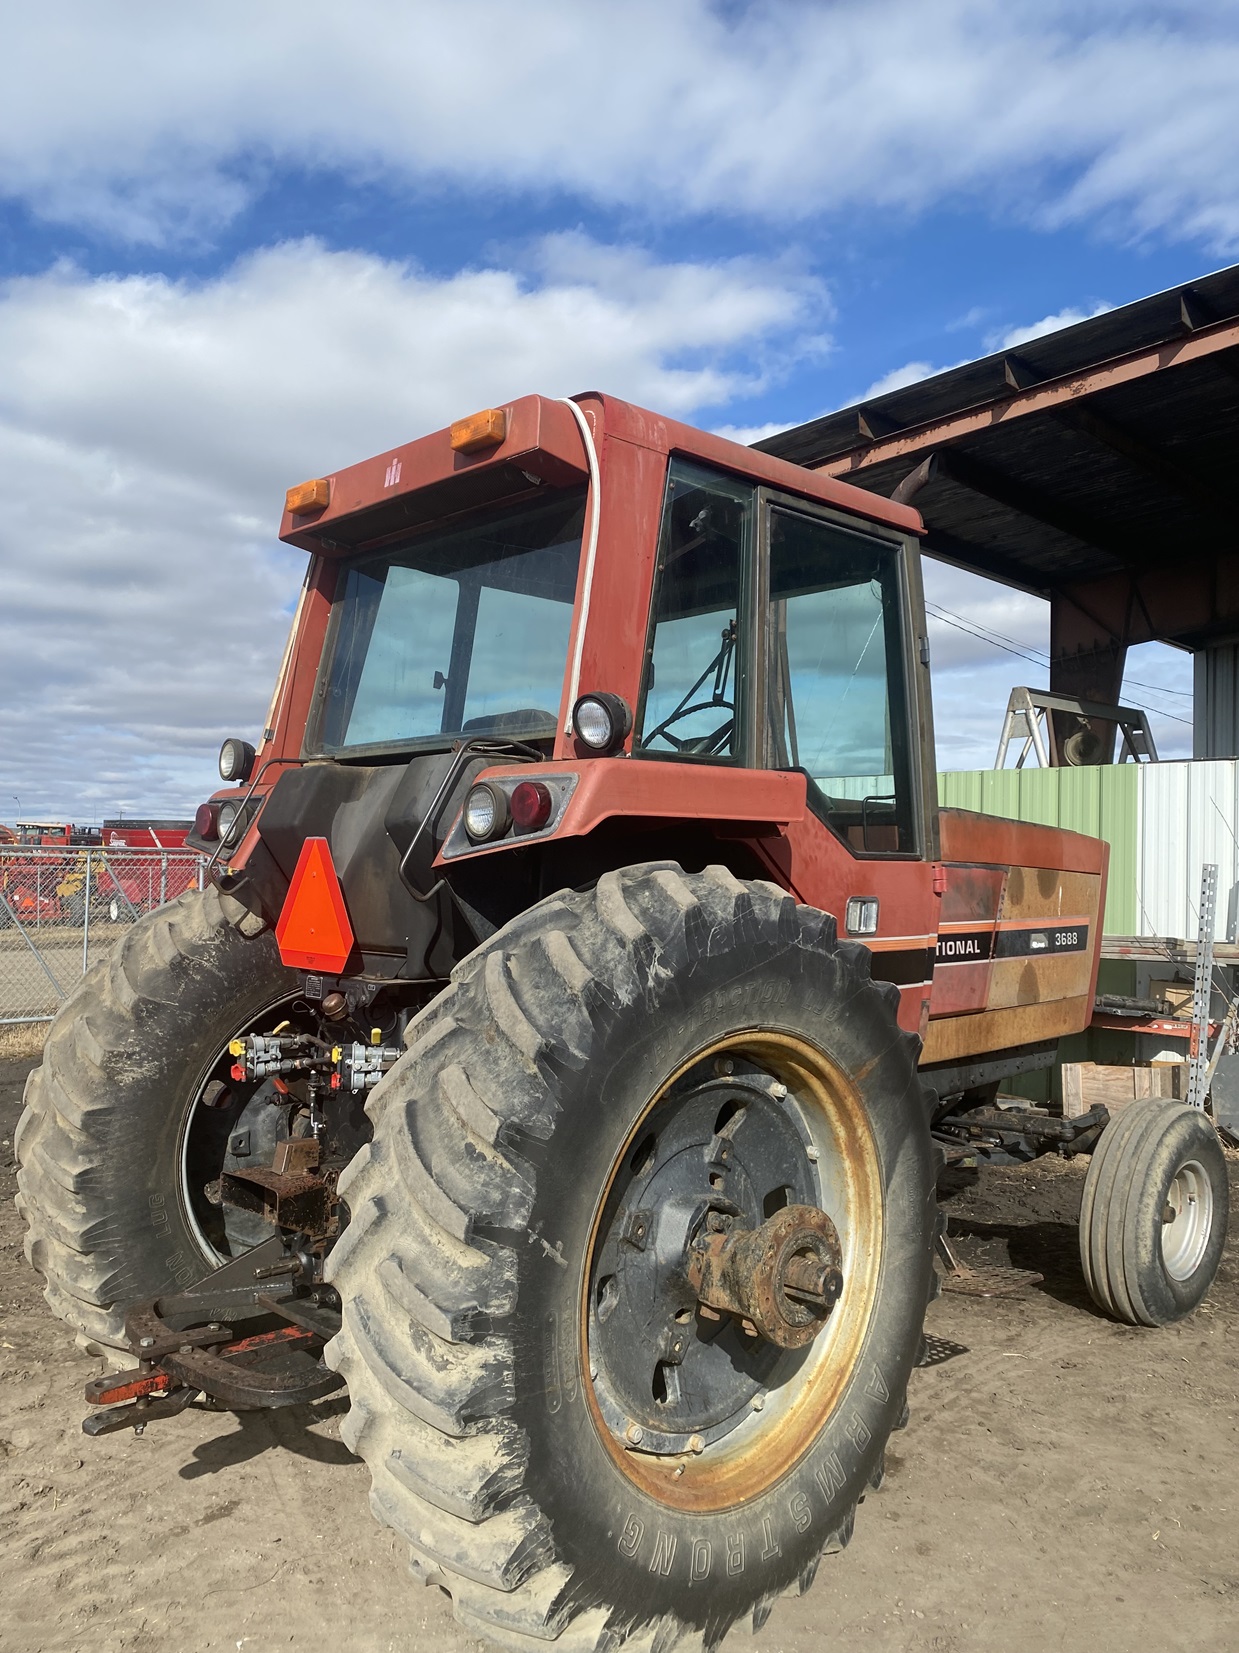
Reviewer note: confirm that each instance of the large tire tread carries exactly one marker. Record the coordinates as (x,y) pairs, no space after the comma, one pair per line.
(74,1234)
(438,1205)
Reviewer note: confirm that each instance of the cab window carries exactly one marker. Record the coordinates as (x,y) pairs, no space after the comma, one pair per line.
(697,657)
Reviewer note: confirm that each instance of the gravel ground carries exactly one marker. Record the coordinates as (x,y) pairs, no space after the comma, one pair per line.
(1065,1484)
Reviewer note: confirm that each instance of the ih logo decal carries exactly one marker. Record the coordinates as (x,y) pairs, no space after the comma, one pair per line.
(393,474)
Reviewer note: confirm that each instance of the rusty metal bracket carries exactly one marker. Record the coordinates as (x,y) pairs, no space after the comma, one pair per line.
(180,1358)
(296,1200)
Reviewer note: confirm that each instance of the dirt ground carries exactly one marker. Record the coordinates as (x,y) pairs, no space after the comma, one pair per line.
(1065,1484)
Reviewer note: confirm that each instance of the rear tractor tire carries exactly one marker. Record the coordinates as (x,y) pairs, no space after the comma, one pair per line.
(116,1142)
(575,1443)
(1154,1215)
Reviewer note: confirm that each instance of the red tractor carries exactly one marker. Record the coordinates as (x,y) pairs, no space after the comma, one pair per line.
(586,995)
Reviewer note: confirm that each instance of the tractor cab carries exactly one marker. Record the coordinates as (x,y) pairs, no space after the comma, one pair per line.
(558,629)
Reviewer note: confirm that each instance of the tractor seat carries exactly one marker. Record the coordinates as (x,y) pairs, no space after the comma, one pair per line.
(528,720)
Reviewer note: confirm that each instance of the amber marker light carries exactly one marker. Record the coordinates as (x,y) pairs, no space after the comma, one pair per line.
(307,497)
(480,430)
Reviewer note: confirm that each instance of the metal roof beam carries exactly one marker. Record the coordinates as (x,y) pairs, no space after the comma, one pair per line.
(979,559)
(1195,313)
(1146,458)
(1016,496)
(874,425)
(1021,375)
(1050,396)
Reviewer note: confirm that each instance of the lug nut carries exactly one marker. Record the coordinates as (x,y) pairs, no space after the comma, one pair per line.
(696,1444)
(635,1433)
(146,1343)
(758,1402)
(723,1066)
(778,1091)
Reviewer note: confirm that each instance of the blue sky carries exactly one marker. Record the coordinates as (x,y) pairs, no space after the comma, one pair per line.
(240,245)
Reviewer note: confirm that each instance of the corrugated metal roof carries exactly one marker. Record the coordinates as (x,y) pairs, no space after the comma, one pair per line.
(1135,454)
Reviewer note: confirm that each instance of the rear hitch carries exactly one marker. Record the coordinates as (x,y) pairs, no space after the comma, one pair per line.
(185,1344)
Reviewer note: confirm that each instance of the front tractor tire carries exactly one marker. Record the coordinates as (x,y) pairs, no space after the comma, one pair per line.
(1154,1213)
(114,1147)
(574,1442)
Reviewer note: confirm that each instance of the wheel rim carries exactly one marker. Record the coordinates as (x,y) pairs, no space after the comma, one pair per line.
(204,1148)
(1187,1220)
(691,1407)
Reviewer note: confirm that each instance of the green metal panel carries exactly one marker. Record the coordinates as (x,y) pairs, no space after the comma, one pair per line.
(1102,801)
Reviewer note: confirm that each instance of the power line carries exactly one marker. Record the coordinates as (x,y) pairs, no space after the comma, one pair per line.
(999,636)
(984,637)
(1043,663)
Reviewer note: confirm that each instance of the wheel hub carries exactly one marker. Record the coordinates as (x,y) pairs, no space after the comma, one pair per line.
(714,1265)
(783,1278)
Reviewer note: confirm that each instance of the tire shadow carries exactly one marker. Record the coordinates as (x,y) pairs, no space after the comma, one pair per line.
(1051,1249)
(283,1429)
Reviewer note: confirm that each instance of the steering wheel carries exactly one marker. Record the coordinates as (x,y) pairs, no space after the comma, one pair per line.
(708,745)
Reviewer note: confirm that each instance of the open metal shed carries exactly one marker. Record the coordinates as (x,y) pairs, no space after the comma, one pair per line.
(1094,467)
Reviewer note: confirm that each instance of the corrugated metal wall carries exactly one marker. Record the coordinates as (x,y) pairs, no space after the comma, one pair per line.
(1188,815)
(1216,700)
(1103,802)
(1163,821)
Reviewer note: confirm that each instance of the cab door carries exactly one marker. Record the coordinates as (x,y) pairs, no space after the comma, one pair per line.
(844,698)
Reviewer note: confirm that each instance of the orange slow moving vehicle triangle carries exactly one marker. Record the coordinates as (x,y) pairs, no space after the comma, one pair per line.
(314,932)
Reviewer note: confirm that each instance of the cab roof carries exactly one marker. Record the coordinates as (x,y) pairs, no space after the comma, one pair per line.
(427,480)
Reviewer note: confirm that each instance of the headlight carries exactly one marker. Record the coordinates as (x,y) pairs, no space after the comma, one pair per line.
(227,818)
(486,812)
(601,721)
(236,760)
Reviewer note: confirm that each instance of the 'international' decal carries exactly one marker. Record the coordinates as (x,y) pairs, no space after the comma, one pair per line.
(980,946)
(965,947)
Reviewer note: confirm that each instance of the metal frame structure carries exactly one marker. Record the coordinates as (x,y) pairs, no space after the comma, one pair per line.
(1091,467)
(1029,716)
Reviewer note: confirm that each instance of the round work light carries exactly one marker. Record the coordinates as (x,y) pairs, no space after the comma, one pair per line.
(236,760)
(205,822)
(601,721)
(228,813)
(486,812)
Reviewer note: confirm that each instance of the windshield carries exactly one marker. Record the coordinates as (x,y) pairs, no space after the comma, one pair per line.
(462,631)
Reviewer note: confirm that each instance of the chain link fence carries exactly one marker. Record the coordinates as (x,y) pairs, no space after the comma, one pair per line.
(62,909)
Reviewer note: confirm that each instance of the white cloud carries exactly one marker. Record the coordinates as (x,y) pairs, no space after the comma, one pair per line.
(748,434)
(910,373)
(148,429)
(1010,337)
(154,121)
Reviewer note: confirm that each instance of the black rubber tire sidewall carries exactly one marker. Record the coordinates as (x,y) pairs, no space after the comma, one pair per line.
(1186,1137)
(605,1527)
(132,1067)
